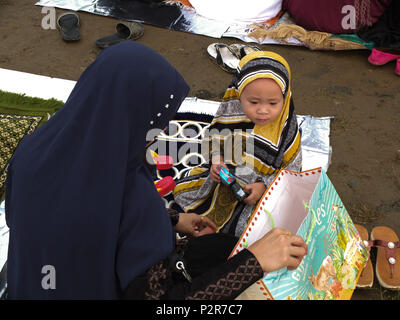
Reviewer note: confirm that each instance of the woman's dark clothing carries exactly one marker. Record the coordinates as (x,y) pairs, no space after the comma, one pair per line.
(85,218)
(386,32)
(213,277)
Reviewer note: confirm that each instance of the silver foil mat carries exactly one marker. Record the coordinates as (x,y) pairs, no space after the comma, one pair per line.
(168,16)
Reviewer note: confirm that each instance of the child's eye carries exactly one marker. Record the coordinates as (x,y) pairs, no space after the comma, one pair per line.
(273,103)
(253,102)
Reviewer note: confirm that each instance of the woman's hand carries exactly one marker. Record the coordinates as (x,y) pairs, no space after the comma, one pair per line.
(255,191)
(216,161)
(279,249)
(194,225)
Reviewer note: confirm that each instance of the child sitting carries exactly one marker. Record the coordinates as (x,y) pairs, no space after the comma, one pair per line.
(257,113)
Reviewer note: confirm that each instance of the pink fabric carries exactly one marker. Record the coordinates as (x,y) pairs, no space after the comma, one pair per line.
(327,16)
(379,58)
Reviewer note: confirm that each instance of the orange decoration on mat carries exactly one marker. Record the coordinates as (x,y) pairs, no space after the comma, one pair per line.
(184,2)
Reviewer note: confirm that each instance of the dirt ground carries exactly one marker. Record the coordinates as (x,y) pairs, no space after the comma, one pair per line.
(364,99)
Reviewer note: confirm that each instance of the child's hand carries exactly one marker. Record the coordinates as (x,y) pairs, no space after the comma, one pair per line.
(214,170)
(255,191)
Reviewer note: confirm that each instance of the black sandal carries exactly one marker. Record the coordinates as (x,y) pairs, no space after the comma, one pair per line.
(125,31)
(224,56)
(68,23)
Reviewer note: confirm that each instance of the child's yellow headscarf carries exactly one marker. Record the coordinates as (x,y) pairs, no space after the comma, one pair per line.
(277,142)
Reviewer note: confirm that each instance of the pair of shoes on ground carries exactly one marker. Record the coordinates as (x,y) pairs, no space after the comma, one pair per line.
(379,58)
(228,56)
(69,23)
(387,267)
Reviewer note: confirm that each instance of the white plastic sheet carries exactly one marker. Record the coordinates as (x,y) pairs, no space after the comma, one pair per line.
(250,11)
(188,20)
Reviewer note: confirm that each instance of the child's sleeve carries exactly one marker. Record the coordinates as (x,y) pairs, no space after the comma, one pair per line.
(297,162)
(294,165)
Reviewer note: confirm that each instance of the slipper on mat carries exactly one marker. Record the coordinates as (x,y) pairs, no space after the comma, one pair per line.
(366,278)
(242,50)
(224,56)
(68,23)
(387,267)
(124,31)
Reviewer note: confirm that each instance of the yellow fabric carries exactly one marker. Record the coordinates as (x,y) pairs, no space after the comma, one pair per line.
(271,131)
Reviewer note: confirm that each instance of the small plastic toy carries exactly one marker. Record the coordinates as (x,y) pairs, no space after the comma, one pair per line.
(229,180)
(166,184)
(162,162)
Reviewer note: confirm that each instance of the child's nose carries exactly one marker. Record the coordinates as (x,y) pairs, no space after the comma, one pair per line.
(263,109)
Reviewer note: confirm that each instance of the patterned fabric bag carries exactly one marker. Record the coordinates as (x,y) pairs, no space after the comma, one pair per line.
(308,205)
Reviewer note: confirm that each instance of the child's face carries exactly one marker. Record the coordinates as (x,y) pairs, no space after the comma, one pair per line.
(262,101)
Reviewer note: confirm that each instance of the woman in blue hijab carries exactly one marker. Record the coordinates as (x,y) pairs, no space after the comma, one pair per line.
(85,219)
(74,184)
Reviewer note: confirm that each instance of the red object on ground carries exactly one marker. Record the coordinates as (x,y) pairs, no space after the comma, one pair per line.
(165,185)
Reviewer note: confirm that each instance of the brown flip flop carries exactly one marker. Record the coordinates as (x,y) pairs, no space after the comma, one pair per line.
(388,257)
(367,275)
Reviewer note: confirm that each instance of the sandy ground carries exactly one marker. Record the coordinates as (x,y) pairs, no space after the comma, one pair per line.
(363,99)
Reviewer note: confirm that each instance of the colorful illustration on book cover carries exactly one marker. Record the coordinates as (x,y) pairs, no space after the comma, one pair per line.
(336,254)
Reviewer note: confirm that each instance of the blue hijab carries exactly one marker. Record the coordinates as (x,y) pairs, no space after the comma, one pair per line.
(85,218)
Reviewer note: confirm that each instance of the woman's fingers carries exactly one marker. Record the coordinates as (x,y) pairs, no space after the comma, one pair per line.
(205,231)
(293,263)
(205,222)
(297,246)
(295,251)
(209,223)
(278,249)
(299,242)
(204,226)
